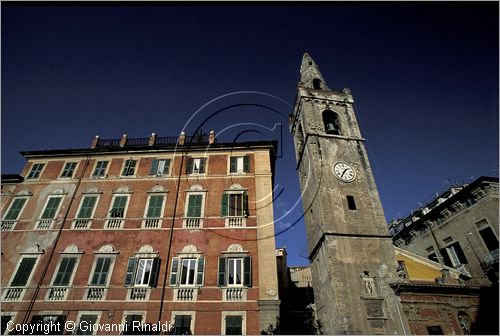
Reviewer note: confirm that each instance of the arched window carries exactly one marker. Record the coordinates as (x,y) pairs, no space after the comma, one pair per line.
(317,84)
(331,122)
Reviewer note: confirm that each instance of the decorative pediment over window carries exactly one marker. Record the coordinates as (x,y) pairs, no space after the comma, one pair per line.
(146,249)
(92,190)
(189,249)
(235,248)
(108,248)
(235,186)
(196,187)
(35,249)
(58,191)
(24,192)
(157,188)
(72,249)
(123,189)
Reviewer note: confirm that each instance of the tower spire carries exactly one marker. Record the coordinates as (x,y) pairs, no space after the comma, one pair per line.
(310,76)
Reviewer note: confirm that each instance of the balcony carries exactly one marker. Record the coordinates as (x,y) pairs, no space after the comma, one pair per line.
(81,223)
(489,259)
(151,223)
(234,294)
(114,223)
(185,294)
(13,294)
(57,293)
(8,225)
(193,223)
(138,294)
(95,293)
(44,224)
(235,222)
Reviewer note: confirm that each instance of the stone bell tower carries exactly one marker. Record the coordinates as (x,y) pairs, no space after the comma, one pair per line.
(350,249)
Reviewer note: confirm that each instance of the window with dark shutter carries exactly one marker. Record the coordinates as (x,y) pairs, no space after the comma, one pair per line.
(129,168)
(68,170)
(65,271)
(224,205)
(222,272)
(246,164)
(118,209)
(194,206)
(189,165)
(129,276)
(23,272)
(201,269)
(50,209)
(247,271)
(35,171)
(154,207)
(87,207)
(100,168)
(101,271)
(233,161)
(182,325)
(155,270)
(234,325)
(88,320)
(174,271)
(15,209)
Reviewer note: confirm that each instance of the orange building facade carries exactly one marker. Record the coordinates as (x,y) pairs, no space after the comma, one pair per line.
(150,235)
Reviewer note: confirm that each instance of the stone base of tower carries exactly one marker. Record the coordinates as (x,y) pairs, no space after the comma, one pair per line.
(269,310)
(351,287)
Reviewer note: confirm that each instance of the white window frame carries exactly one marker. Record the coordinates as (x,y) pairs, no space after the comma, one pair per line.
(243,315)
(64,167)
(242,272)
(164,173)
(44,163)
(105,174)
(133,312)
(55,214)
(191,259)
(136,167)
(112,257)
(186,218)
(108,214)
(87,312)
(30,278)
(84,195)
(160,219)
(135,284)
(20,211)
(78,256)
(191,313)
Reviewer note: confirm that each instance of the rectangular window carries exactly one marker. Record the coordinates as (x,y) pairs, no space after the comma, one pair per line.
(160,167)
(489,238)
(234,325)
(435,330)
(194,206)
(433,256)
(118,209)
(69,169)
(453,255)
(35,171)
(65,271)
(51,208)
(101,271)
(23,272)
(155,206)
(129,168)
(234,205)
(182,325)
(239,164)
(87,207)
(15,209)
(188,271)
(129,321)
(142,272)
(48,322)
(100,168)
(194,166)
(235,271)
(85,324)
(351,204)
(5,319)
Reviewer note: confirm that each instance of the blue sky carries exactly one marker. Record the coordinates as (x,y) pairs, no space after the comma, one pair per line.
(424,78)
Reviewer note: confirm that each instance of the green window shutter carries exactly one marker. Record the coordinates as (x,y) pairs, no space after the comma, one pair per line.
(247,271)
(246,211)
(194,205)
(174,271)
(246,164)
(65,271)
(129,276)
(154,167)
(87,207)
(15,209)
(154,208)
(129,168)
(189,165)
(51,208)
(201,269)
(23,272)
(202,165)
(101,272)
(224,206)
(222,272)
(118,210)
(155,271)
(233,164)
(100,168)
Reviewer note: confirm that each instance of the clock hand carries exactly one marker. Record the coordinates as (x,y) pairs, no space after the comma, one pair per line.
(343,172)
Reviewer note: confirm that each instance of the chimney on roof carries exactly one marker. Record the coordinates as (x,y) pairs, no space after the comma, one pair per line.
(94,142)
(182,138)
(123,140)
(211,137)
(152,139)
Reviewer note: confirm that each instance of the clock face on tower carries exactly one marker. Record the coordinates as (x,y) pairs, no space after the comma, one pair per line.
(344,172)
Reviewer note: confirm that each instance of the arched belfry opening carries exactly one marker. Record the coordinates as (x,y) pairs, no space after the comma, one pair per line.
(317,85)
(331,122)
